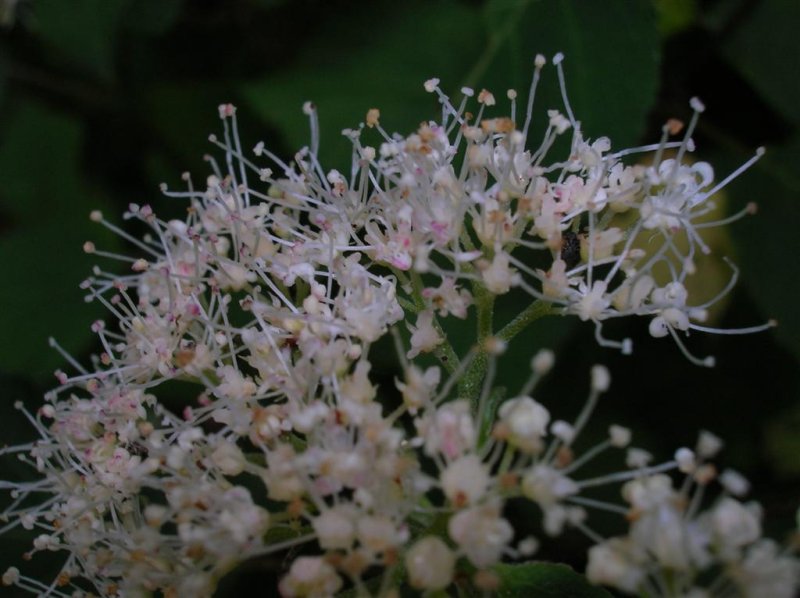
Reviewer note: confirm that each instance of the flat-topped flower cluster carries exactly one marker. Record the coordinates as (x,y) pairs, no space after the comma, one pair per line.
(266,300)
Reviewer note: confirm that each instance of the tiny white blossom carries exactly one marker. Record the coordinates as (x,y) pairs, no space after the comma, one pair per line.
(430,564)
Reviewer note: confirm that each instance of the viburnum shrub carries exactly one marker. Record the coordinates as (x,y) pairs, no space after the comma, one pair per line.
(266,300)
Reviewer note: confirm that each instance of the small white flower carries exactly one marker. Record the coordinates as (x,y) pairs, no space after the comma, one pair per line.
(591,303)
(547,486)
(734,525)
(424,337)
(229,458)
(614,563)
(430,564)
(310,576)
(481,534)
(419,387)
(11,576)
(526,423)
(336,527)
(499,277)
(465,480)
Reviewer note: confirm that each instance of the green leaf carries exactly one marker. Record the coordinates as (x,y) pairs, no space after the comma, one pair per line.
(41,263)
(766,246)
(675,16)
(81,33)
(764,48)
(37,140)
(782,441)
(183,115)
(385,69)
(3,82)
(269,3)
(611,64)
(545,580)
(152,17)
(276,534)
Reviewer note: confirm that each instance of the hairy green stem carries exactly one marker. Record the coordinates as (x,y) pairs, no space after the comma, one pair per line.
(484,301)
(472,382)
(445,352)
(487,415)
(408,305)
(537,309)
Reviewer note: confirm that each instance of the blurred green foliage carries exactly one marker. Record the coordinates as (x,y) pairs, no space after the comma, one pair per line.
(46,202)
(104,99)
(544,580)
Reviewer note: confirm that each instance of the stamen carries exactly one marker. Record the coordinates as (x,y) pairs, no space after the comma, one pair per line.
(706,362)
(72,361)
(624,476)
(557,60)
(625,346)
(97,216)
(700,198)
(747,330)
(598,504)
(538,64)
(698,108)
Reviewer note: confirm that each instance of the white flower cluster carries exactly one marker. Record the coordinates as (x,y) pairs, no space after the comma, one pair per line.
(265,301)
(675,548)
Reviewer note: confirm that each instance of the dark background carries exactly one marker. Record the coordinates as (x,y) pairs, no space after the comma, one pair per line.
(102,100)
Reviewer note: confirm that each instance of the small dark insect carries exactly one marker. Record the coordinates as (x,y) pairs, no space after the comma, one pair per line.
(570,249)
